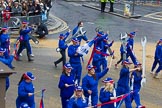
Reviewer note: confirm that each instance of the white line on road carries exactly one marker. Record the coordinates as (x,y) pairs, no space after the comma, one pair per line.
(148,21)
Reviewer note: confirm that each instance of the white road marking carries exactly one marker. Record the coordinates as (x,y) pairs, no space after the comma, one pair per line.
(148,21)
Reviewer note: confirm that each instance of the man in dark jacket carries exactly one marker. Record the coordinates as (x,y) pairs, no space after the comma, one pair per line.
(42,30)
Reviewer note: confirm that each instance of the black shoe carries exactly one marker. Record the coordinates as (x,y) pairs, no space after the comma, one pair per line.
(30,60)
(55,64)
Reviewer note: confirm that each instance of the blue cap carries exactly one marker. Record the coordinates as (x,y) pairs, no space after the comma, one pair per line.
(67,66)
(89,67)
(61,35)
(75,40)
(108,80)
(126,61)
(132,34)
(30,76)
(160,40)
(24,105)
(100,33)
(78,88)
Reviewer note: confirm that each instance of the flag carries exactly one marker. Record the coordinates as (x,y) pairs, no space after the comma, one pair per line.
(41,101)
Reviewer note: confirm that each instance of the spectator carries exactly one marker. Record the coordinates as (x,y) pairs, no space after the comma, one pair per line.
(30,8)
(42,30)
(24,9)
(16,9)
(37,7)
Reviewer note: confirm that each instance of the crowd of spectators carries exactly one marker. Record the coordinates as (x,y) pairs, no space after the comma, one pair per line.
(25,7)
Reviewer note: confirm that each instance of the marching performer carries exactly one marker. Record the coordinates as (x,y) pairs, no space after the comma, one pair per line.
(122,51)
(90,83)
(131,39)
(157,55)
(75,60)
(136,78)
(106,93)
(24,43)
(106,45)
(66,85)
(63,46)
(78,99)
(5,41)
(79,32)
(123,82)
(26,90)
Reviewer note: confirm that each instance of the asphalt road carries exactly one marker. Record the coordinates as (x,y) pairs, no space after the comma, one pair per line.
(45,54)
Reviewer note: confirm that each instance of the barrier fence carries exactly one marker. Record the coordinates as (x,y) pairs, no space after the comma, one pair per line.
(15,21)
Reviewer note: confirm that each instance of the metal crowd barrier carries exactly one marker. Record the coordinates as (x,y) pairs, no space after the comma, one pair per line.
(15,21)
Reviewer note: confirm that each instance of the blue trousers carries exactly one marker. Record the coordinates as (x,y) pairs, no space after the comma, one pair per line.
(136,97)
(120,91)
(103,64)
(7,83)
(76,71)
(94,98)
(64,102)
(160,67)
(156,61)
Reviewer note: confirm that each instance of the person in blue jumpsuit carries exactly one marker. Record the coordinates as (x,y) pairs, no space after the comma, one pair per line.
(130,53)
(96,62)
(26,90)
(63,46)
(78,99)
(123,83)
(104,50)
(7,61)
(159,57)
(90,83)
(66,85)
(24,43)
(156,56)
(79,32)
(5,41)
(131,39)
(135,82)
(121,56)
(106,93)
(75,60)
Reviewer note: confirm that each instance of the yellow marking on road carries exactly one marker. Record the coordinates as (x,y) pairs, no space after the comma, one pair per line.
(154,15)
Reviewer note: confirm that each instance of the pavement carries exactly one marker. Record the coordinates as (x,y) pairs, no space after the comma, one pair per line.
(54,25)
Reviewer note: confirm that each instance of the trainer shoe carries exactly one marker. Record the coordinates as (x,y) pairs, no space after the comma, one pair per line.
(151,72)
(32,55)
(141,106)
(20,54)
(156,75)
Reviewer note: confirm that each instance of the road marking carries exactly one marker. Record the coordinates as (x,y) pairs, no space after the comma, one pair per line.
(148,21)
(154,16)
(75,4)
